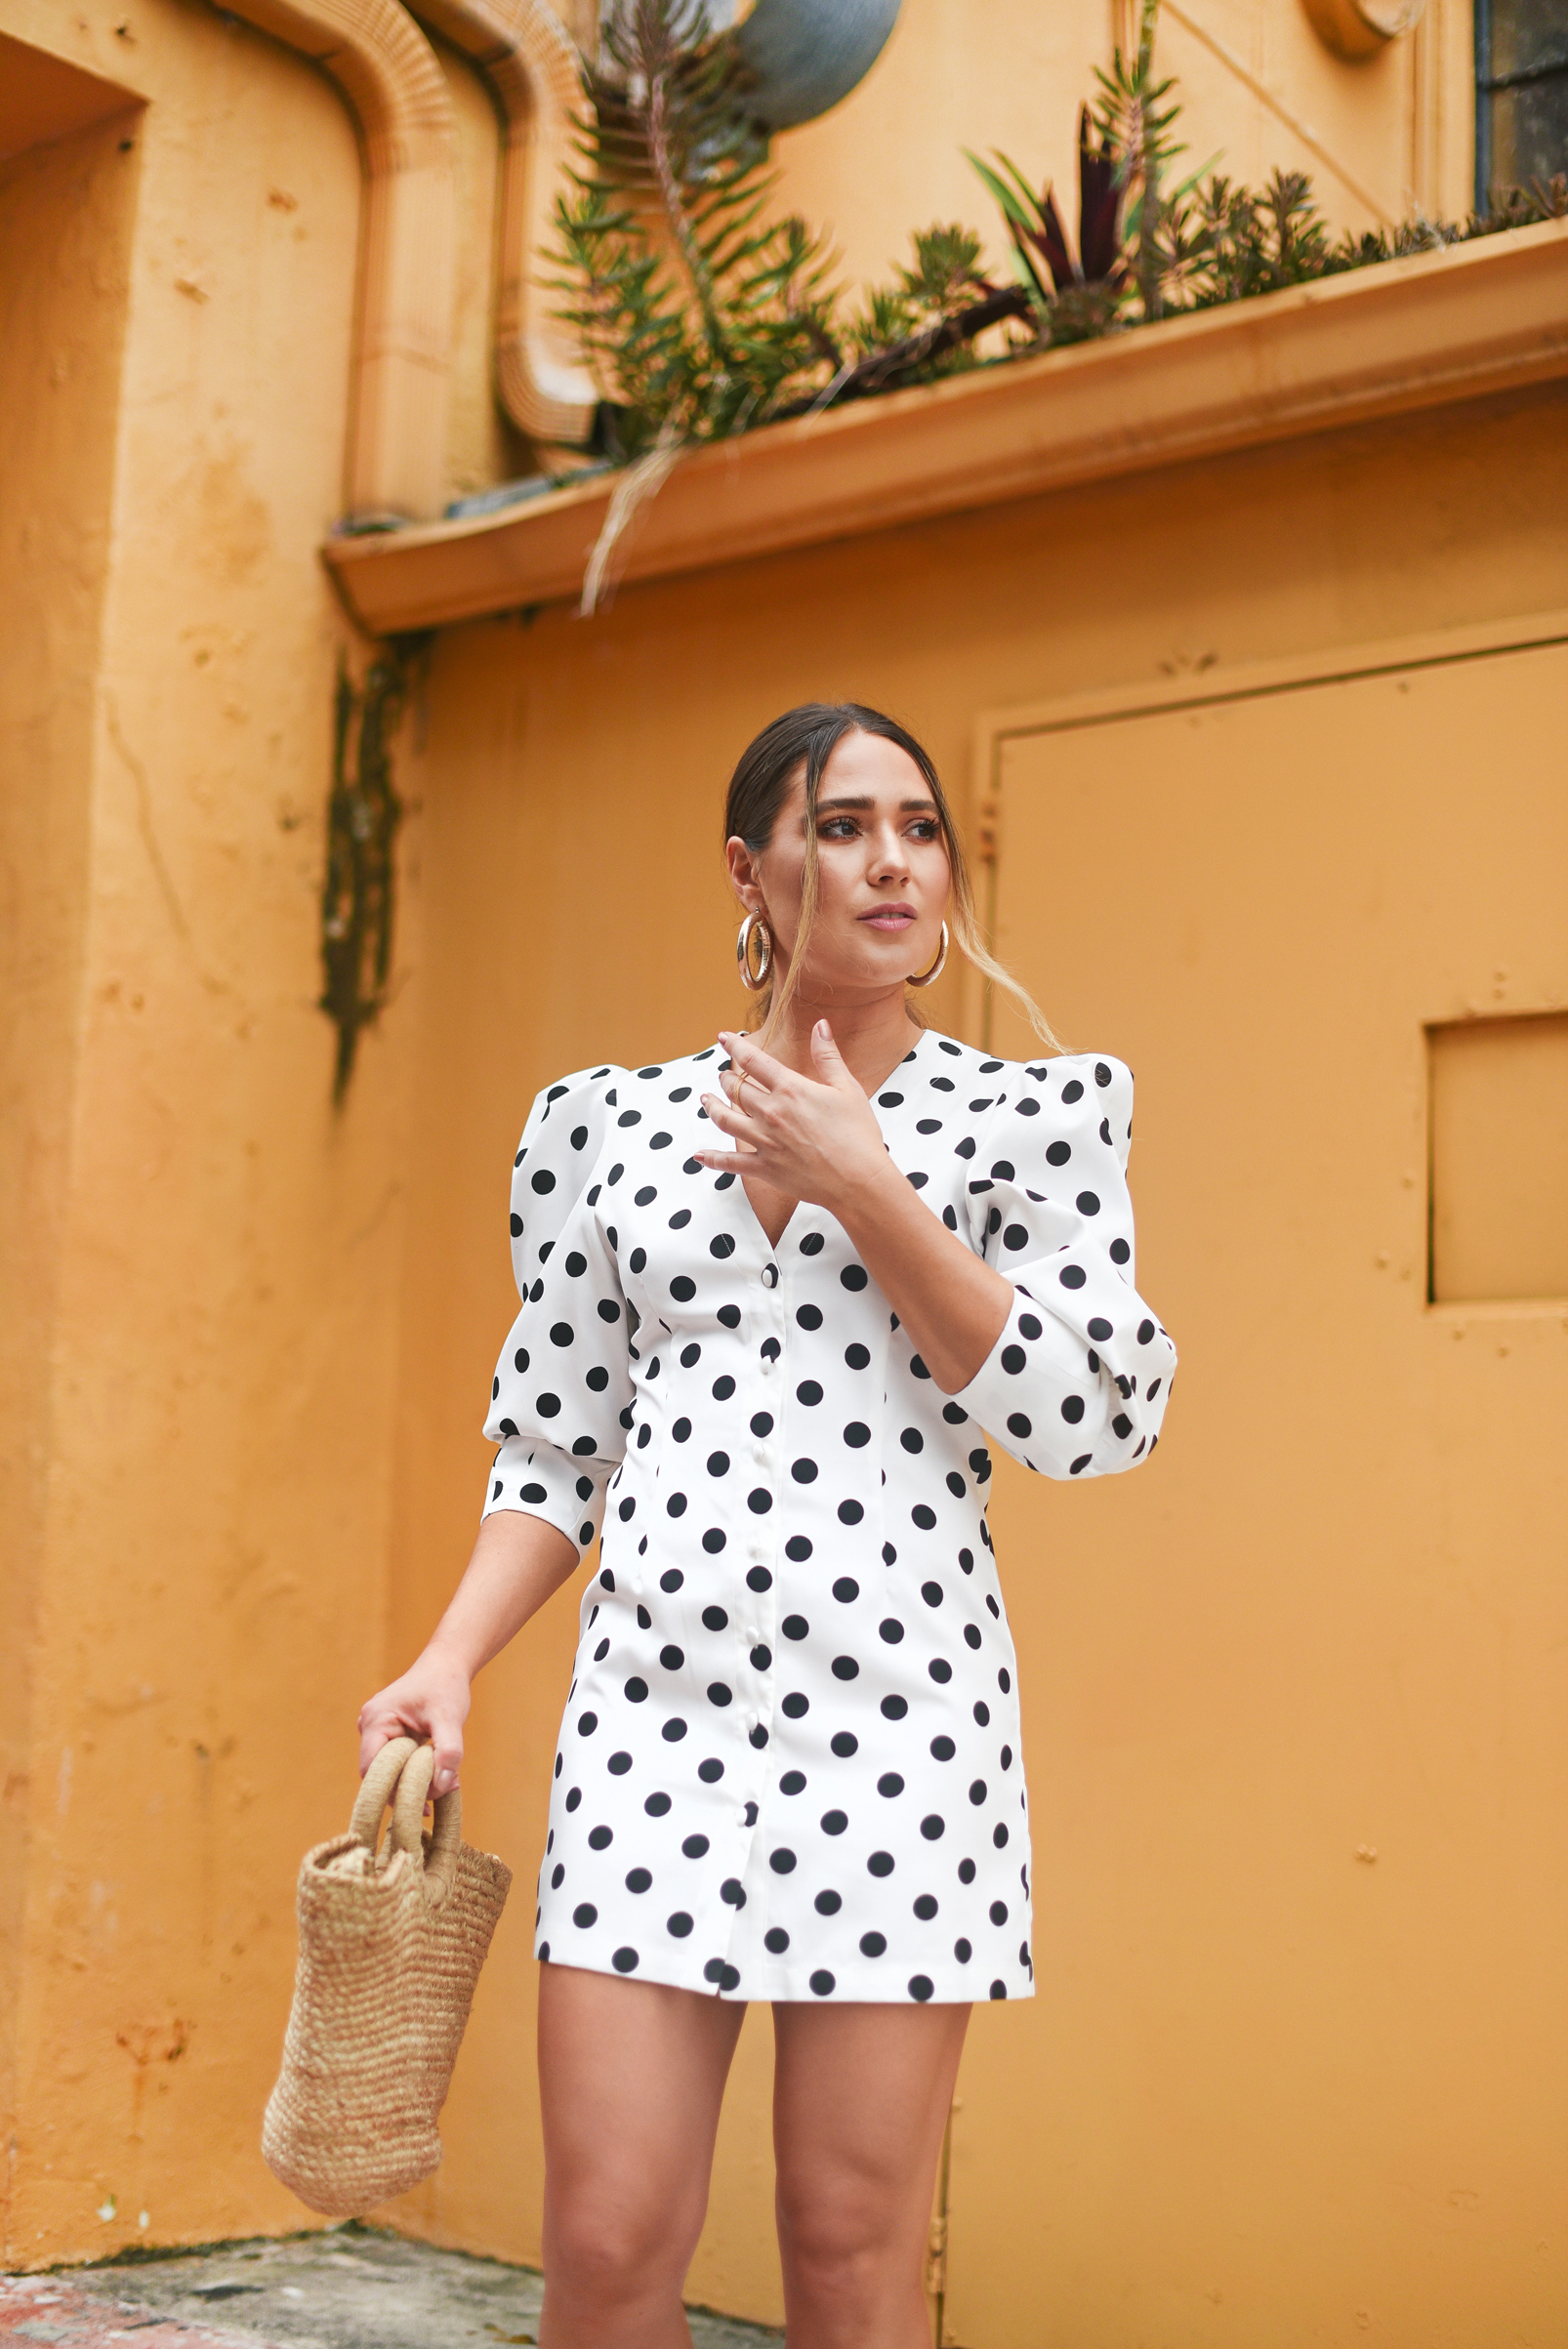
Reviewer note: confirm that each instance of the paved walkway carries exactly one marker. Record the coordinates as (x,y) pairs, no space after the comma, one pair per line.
(348,2289)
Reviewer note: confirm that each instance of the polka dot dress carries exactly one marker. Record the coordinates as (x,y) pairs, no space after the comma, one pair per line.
(789,1763)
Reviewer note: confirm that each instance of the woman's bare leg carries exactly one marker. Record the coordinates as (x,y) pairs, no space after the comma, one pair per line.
(631,2076)
(860,2098)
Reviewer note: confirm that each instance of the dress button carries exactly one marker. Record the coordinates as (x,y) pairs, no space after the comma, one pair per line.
(770,1276)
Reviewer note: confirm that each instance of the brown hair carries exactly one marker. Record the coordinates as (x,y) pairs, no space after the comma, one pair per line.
(761,785)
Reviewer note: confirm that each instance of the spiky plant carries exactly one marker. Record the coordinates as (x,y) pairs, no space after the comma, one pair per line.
(694,308)
(1134,115)
(923,325)
(1076,293)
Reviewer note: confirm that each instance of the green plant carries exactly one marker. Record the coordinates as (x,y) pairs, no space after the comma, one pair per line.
(700,316)
(923,325)
(1076,294)
(1136,115)
(695,310)
(363,815)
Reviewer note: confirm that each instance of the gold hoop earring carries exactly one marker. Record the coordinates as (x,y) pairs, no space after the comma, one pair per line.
(754,929)
(924,978)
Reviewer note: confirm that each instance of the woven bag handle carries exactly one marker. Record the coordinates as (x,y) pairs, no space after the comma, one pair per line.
(405,1765)
(377,1789)
(446,1834)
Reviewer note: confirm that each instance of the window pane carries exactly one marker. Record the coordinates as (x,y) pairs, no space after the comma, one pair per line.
(1524,33)
(1530,132)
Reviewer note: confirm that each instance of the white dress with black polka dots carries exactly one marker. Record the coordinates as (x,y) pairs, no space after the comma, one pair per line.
(788,1766)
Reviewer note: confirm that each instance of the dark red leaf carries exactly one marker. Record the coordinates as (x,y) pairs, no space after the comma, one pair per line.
(1098,203)
(1053,242)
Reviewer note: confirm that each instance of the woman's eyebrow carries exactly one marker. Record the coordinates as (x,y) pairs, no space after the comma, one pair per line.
(906,806)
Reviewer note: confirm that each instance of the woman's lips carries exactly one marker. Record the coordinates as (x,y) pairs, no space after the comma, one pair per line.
(889,917)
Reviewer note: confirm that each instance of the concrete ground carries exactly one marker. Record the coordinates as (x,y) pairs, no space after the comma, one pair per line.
(351,2288)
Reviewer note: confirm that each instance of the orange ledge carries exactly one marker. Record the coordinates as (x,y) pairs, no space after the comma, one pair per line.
(1477,318)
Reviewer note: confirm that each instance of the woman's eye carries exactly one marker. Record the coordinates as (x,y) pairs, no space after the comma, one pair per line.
(925,829)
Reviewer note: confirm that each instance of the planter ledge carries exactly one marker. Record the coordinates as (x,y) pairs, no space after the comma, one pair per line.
(1476,319)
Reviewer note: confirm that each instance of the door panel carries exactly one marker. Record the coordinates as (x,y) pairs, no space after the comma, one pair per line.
(1295,1692)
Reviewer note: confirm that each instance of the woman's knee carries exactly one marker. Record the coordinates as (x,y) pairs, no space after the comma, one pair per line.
(614,2246)
(838,2234)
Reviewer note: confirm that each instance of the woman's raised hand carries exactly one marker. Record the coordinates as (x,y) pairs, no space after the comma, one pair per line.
(810,1138)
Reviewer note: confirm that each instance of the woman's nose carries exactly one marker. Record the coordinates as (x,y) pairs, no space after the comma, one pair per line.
(887,855)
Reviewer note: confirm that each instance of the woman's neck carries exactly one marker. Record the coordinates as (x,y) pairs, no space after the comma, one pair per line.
(872,1037)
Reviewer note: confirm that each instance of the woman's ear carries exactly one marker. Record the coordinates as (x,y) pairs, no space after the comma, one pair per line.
(743,874)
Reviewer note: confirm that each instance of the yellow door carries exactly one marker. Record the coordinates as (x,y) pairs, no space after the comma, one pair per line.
(1297,1692)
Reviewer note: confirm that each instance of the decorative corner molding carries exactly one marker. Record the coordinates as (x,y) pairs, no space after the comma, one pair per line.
(528,60)
(388,72)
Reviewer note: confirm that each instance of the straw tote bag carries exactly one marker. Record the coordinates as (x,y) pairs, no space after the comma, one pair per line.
(390,1947)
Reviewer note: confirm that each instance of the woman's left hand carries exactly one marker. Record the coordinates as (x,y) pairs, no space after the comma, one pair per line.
(812,1139)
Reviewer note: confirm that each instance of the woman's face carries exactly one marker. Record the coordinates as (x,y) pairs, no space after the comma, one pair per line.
(883,876)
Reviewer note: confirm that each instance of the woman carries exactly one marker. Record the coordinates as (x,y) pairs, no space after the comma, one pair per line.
(771,1296)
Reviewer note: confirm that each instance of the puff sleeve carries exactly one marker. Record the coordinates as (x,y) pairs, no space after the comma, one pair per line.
(1077,1383)
(561,1401)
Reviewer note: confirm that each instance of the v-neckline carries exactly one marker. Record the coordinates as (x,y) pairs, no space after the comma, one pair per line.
(773,1246)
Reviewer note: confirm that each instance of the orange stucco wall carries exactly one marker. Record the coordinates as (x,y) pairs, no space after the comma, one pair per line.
(245,1370)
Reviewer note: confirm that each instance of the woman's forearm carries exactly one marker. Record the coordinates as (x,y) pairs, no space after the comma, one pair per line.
(953,1306)
(517,1563)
